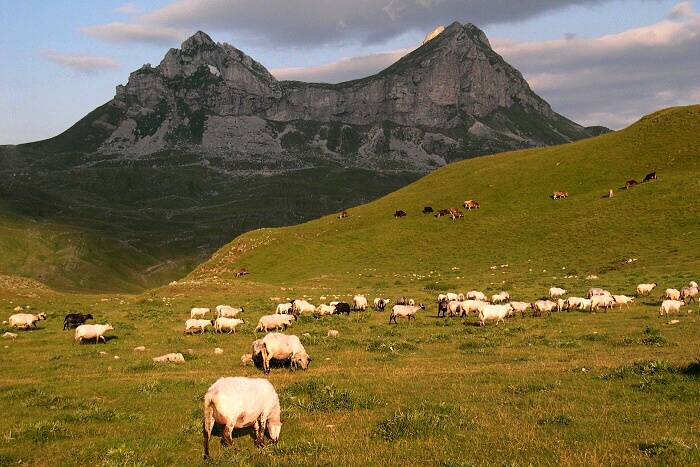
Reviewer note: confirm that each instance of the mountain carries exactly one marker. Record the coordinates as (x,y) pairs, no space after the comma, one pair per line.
(519,236)
(208,144)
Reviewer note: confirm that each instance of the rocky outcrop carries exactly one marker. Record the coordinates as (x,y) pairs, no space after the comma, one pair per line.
(451,98)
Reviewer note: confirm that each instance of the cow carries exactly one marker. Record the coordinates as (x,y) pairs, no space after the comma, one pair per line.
(442,212)
(630,183)
(651,176)
(241,272)
(398,214)
(343,215)
(560,194)
(427,210)
(456,213)
(471,204)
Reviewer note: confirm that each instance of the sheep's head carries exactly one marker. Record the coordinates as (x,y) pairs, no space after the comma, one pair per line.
(301,360)
(109,326)
(273,429)
(41,316)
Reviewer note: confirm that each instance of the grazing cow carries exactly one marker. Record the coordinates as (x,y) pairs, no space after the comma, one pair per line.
(560,194)
(471,204)
(241,272)
(442,212)
(75,320)
(427,210)
(398,214)
(456,213)
(343,215)
(651,176)
(630,183)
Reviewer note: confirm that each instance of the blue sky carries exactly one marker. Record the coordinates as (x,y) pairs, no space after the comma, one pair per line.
(595,61)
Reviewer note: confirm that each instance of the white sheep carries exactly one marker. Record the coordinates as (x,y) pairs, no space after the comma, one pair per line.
(493,312)
(470,306)
(645,289)
(283,347)
(500,297)
(520,307)
(381,303)
(623,300)
(556,292)
(25,320)
(199,312)
(239,402)
(324,309)
(606,301)
(411,302)
(227,323)
(359,303)
(672,294)
(90,331)
(585,304)
(561,304)
(302,306)
(192,325)
(284,308)
(454,308)
(543,306)
(270,322)
(476,295)
(593,291)
(404,311)
(225,311)
(689,292)
(670,305)
(573,302)
(451,296)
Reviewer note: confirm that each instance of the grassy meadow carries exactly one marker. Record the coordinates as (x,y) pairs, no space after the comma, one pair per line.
(615,388)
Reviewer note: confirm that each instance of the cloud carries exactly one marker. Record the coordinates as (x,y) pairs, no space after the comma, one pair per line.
(128,9)
(124,32)
(342,70)
(310,23)
(88,64)
(614,80)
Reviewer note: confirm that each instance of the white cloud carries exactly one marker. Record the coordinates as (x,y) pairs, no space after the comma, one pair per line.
(124,32)
(127,9)
(81,63)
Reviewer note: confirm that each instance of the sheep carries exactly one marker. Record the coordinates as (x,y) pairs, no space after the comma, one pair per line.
(411,302)
(596,291)
(342,307)
(227,323)
(359,303)
(670,305)
(268,322)
(672,294)
(623,300)
(573,302)
(283,347)
(88,331)
(225,311)
(543,306)
(520,307)
(645,289)
(239,402)
(381,303)
(199,312)
(476,295)
(25,320)
(170,357)
(500,297)
(332,333)
(401,300)
(192,325)
(284,308)
(404,311)
(585,304)
(323,310)
(556,292)
(451,296)
(454,308)
(75,319)
(689,292)
(469,306)
(490,312)
(302,306)
(606,301)
(561,303)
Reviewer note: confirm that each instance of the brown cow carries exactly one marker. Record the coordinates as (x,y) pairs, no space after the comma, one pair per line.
(471,204)
(560,194)
(442,212)
(456,213)
(398,214)
(343,215)
(241,272)
(630,183)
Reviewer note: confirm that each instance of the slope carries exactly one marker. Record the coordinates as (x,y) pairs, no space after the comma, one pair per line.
(520,234)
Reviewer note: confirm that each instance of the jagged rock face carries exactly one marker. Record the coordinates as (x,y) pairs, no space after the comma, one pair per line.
(451,86)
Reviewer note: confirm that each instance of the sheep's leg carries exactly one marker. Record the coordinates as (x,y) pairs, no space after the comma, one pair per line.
(228,434)
(260,432)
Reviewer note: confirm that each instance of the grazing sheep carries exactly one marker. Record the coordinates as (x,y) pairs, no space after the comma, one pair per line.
(10,335)
(359,303)
(520,307)
(689,292)
(381,303)
(493,312)
(170,357)
(668,306)
(672,294)
(470,306)
(283,347)
(247,359)
(25,320)
(593,291)
(192,325)
(411,302)
(199,312)
(442,307)
(585,304)
(645,289)
(270,322)
(227,323)
(302,306)
(500,297)
(404,311)
(451,296)
(89,331)
(239,402)
(556,292)
(401,300)
(476,295)
(332,333)
(543,306)
(225,311)
(75,320)
(573,302)
(323,310)
(623,300)
(606,301)
(284,308)
(454,308)
(561,303)
(342,307)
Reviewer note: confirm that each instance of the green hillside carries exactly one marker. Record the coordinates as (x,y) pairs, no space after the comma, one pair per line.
(520,235)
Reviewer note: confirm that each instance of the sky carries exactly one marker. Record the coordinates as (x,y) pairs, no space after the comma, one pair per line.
(597,62)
